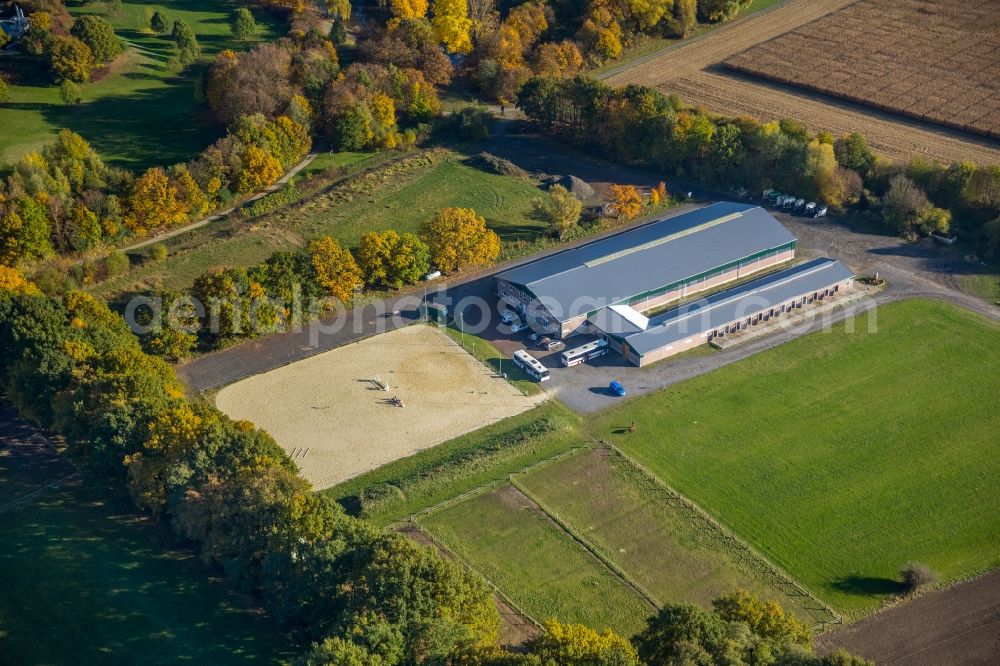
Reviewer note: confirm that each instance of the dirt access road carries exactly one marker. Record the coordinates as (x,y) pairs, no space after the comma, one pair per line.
(690,70)
(959,625)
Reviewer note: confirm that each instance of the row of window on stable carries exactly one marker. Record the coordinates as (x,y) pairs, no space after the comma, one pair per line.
(773,312)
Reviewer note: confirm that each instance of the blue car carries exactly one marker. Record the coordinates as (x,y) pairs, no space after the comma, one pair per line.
(614,388)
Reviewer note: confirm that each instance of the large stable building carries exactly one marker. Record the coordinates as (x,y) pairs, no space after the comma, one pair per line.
(608,287)
(646,267)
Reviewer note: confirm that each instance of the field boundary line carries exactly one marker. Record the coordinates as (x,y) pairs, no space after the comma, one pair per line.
(769,566)
(439,543)
(48,486)
(626,578)
(489,485)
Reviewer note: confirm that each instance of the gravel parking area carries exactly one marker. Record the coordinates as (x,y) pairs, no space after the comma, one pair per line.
(328,414)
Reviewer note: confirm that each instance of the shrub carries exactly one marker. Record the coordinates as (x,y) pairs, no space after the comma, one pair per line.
(116,263)
(70,93)
(915,576)
(158,252)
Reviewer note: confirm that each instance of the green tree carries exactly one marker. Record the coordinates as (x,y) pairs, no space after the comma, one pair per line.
(159,23)
(70,59)
(242,24)
(560,210)
(99,36)
(70,93)
(350,128)
(24,232)
(853,152)
(188,47)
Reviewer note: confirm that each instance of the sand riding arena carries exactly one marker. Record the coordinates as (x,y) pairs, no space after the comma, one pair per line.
(332,414)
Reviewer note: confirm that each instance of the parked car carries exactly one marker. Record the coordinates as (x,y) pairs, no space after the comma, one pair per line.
(433,275)
(820,211)
(553,344)
(810,208)
(518,326)
(543,341)
(616,389)
(535,337)
(508,316)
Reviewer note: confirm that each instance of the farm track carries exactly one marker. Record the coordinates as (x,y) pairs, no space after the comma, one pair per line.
(687,71)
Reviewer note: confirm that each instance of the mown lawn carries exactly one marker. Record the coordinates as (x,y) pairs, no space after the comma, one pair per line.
(141,113)
(662,544)
(536,563)
(406,486)
(87,580)
(843,456)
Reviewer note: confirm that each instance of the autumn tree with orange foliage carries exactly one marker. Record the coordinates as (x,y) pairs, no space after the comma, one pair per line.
(458,238)
(625,202)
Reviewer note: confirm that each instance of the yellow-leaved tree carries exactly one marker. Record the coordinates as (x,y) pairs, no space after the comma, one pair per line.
(458,238)
(562,643)
(260,169)
(153,202)
(12,281)
(336,271)
(409,9)
(452,25)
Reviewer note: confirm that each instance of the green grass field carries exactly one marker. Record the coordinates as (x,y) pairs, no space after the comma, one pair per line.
(86,580)
(536,563)
(142,113)
(663,545)
(843,456)
(406,486)
(397,191)
(404,204)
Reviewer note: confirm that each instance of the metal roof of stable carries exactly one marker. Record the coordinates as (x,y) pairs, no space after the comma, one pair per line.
(731,305)
(654,255)
(618,321)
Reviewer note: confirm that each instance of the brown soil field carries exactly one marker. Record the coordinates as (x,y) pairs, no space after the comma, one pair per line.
(959,625)
(933,61)
(327,413)
(692,71)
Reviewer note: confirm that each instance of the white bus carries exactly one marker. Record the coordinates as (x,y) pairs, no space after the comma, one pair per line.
(531,365)
(586,352)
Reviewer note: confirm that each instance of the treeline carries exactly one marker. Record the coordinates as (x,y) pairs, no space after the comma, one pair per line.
(640,125)
(64,199)
(498,46)
(290,288)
